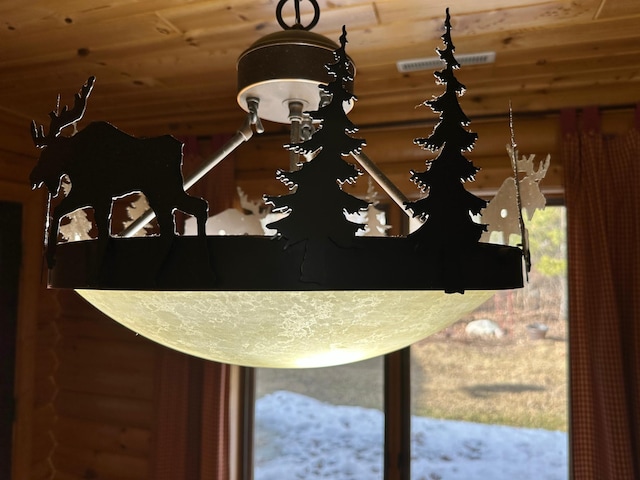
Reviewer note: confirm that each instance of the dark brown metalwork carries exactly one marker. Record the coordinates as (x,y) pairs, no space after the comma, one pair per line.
(323,176)
(264,264)
(298,24)
(448,209)
(104,163)
(314,251)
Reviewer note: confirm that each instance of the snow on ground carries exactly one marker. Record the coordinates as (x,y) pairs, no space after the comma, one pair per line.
(298,437)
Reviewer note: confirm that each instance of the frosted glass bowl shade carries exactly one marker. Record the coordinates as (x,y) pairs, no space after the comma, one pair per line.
(285,329)
(257,302)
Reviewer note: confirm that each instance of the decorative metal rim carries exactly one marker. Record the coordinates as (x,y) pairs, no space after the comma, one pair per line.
(221,263)
(298,24)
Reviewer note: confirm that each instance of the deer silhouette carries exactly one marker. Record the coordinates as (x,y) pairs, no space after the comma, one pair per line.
(103,164)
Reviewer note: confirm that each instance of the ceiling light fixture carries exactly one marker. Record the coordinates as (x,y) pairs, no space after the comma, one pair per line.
(313,295)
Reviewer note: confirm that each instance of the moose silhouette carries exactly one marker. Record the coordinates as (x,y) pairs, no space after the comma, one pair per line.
(102,164)
(502,212)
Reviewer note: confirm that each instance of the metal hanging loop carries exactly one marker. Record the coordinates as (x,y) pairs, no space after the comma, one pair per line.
(298,24)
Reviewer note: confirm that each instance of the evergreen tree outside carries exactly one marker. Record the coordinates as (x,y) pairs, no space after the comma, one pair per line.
(316,209)
(448,208)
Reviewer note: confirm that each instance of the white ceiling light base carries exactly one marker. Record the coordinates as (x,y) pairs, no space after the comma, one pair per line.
(285,67)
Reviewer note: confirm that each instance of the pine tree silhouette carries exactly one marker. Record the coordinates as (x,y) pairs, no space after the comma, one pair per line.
(317,207)
(448,207)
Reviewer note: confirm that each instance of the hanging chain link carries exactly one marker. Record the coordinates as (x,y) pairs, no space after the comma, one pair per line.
(298,24)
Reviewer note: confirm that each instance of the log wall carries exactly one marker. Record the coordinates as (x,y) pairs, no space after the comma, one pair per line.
(104,404)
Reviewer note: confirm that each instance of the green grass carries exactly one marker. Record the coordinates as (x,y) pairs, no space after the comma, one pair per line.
(518,383)
(355,384)
(509,381)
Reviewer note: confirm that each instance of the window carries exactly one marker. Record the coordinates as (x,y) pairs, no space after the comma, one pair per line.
(488,394)
(319,423)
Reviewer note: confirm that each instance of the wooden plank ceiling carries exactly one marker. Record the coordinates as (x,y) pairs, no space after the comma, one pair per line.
(168,66)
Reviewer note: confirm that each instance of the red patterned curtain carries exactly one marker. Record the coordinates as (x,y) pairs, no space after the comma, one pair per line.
(192,410)
(602,175)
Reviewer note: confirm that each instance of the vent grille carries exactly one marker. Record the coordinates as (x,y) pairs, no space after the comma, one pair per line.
(434,63)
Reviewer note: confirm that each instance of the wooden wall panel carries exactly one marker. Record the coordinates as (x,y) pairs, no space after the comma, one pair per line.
(97,436)
(105,403)
(82,462)
(105,407)
(126,383)
(42,397)
(105,353)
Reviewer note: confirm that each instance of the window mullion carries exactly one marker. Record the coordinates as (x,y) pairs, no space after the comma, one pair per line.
(397,408)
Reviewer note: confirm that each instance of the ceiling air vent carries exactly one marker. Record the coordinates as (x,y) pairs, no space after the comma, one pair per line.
(434,63)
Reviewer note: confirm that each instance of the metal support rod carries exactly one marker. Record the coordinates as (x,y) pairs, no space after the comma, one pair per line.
(381,179)
(389,187)
(242,135)
(295,117)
